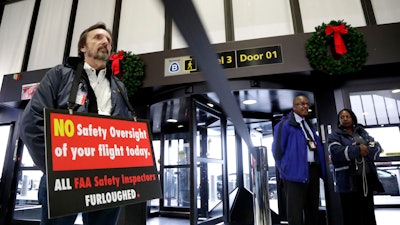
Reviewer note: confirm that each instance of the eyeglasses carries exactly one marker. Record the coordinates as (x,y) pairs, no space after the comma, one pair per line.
(345,117)
(303,104)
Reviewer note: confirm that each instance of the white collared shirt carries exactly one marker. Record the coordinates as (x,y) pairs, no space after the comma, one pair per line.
(101,87)
(310,154)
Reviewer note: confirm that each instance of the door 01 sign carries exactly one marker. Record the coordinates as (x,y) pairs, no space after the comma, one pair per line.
(96,162)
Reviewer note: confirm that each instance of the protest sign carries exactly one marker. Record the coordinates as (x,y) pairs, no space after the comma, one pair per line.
(97,162)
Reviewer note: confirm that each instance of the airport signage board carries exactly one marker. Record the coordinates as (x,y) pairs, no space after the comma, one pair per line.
(186,65)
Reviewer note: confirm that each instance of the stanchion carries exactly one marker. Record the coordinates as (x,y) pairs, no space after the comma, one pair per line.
(259,160)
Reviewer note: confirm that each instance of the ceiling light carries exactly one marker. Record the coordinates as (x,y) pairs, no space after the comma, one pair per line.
(170,120)
(180,126)
(249,102)
(210,104)
(394,91)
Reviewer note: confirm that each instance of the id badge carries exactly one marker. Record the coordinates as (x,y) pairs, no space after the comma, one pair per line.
(312,145)
(81,97)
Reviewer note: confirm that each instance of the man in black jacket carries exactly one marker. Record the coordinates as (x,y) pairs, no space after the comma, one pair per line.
(98,92)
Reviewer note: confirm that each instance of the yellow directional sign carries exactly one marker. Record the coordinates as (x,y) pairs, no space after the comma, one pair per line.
(190,65)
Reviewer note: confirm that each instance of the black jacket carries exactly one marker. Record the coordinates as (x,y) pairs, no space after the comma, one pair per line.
(345,153)
(53,93)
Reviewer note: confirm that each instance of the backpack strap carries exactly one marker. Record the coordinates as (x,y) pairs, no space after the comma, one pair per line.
(74,88)
(125,99)
(74,91)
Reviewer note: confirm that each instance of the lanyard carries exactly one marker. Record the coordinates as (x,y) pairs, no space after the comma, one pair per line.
(75,86)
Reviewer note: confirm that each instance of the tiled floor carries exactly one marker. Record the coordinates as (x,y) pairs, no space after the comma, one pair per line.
(166,221)
(387,216)
(384,216)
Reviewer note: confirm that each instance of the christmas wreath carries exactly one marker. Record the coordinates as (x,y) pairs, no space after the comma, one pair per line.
(336,48)
(129,68)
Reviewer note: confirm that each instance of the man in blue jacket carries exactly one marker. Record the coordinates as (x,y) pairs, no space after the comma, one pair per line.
(97,92)
(300,160)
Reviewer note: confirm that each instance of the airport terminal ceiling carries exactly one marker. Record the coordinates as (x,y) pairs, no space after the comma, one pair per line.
(265,104)
(268,104)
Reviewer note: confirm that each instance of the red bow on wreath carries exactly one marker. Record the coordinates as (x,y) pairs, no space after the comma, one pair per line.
(115,61)
(340,47)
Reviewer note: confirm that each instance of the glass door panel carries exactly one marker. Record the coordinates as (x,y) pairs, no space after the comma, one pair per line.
(379,112)
(176,187)
(4,132)
(154,204)
(192,150)
(209,156)
(176,170)
(27,206)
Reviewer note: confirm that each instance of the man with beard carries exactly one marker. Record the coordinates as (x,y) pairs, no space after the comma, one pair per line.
(93,89)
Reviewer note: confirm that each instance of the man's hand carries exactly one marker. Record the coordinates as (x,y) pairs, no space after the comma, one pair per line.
(363,150)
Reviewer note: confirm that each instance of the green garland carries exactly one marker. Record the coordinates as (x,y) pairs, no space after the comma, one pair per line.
(320,50)
(131,70)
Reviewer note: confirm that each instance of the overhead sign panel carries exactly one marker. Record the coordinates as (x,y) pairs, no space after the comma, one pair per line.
(228,60)
(259,56)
